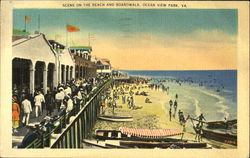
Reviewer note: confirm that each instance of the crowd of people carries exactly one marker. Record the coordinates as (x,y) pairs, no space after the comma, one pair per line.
(63,97)
(125,91)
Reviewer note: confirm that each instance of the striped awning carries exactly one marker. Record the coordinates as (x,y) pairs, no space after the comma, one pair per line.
(150,132)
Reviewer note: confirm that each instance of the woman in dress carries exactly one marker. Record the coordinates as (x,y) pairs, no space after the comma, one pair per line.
(15,114)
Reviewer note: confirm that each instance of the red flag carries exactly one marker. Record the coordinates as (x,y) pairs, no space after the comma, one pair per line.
(27,18)
(71,28)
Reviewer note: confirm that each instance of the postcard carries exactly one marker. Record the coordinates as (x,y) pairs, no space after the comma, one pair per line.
(124,79)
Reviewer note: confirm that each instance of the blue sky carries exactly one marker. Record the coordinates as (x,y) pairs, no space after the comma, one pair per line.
(169,21)
(203,34)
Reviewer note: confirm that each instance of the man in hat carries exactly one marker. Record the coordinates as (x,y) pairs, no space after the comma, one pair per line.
(39,99)
(50,101)
(59,98)
(69,103)
(26,108)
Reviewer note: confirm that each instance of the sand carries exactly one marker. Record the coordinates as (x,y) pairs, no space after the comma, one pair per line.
(151,116)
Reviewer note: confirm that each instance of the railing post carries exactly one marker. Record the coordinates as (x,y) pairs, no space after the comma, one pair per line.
(79,140)
(74,136)
(42,140)
(61,126)
(47,142)
(70,139)
(66,140)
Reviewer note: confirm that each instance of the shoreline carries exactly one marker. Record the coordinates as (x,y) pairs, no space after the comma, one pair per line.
(152,115)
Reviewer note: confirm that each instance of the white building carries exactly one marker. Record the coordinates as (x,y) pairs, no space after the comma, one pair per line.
(104,66)
(36,64)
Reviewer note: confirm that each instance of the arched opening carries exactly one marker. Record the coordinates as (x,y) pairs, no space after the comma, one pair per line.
(67,73)
(50,75)
(39,69)
(21,74)
(62,73)
(77,72)
(71,72)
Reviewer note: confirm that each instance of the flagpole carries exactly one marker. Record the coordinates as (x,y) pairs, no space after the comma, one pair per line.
(39,23)
(25,24)
(89,39)
(66,37)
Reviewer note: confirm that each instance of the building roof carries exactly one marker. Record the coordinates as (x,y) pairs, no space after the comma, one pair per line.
(20,32)
(104,62)
(33,47)
(66,58)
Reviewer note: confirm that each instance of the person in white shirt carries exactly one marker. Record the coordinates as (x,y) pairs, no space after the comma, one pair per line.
(59,98)
(39,99)
(67,90)
(69,104)
(26,107)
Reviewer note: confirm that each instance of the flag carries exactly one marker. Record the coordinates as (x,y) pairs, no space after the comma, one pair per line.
(27,18)
(71,28)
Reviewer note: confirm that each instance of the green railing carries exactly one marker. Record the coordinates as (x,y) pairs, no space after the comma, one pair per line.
(85,113)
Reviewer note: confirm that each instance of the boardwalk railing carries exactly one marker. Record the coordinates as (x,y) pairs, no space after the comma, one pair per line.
(85,113)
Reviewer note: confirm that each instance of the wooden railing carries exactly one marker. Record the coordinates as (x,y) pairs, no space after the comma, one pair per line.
(86,113)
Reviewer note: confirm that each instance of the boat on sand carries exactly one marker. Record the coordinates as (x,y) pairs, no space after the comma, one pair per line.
(116,118)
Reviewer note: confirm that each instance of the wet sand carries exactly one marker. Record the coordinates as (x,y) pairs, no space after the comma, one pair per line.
(151,116)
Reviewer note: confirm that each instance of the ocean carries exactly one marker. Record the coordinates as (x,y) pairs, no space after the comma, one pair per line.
(211,92)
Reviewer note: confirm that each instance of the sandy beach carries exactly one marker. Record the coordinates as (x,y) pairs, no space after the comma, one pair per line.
(151,116)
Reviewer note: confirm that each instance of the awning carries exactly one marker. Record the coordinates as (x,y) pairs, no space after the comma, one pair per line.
(150,132)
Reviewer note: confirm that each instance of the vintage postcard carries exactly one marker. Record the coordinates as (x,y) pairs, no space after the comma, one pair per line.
(124,79)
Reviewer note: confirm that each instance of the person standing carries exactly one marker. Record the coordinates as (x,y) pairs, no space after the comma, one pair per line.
(69,103)
(123,98)
(39,99)
(201,118)
(59,98)
(170,114)
(170,103)
(15,114)
(27,109)
(50,101)
(102,103)
(175,107)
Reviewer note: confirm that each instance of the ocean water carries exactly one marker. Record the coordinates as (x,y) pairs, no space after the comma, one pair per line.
(213,92)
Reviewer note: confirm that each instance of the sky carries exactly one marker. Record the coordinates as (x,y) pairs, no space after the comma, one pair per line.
(145,39)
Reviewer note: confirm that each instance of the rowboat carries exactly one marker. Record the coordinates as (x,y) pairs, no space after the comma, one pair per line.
(125,133)
(116,118)
(222,131)
(221,124)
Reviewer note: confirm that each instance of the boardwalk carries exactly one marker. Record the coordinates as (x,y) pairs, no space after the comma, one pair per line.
(70,128)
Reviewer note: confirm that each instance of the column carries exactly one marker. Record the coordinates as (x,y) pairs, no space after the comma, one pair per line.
(45,72)
(69,73)
(55,77)
(73,72)
(64,74)
(32,79)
